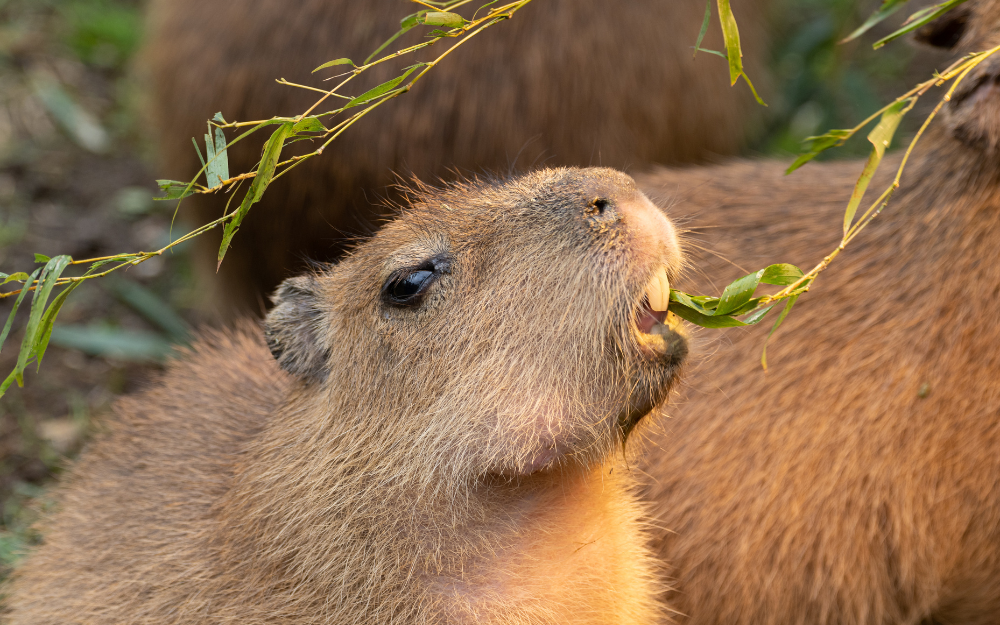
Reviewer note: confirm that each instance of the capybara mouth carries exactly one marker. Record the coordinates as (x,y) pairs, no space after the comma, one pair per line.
(658,330)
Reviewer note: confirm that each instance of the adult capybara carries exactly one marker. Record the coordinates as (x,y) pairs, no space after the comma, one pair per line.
(436,439)
(565,82)
(858,480)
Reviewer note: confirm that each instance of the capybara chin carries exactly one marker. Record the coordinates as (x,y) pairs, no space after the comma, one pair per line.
(564,82)
(858,480)
(429,431)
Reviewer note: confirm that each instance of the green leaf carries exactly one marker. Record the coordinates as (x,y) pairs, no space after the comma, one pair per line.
(309,124)
(777,322)
(20,276)
(705,321)
(174,189)
(219,118)
(732,36)
(919,19)
(443,18)
(781,274)
(815,145)
(32,334)
(201,158)
(380,90)
(272,150)
(41,258)
(405,24)
(704,27)
(217,168)
(760,100)
(49,319)
(888,8)
(117,259)
(344,61)
(880,138)
(715,52)
(738,293)
(757,316)
(698,304)
(17,303)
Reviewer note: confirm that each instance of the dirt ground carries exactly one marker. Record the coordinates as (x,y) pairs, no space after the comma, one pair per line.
(76,177)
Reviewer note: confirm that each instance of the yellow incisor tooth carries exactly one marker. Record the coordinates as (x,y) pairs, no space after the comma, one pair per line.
(658,290)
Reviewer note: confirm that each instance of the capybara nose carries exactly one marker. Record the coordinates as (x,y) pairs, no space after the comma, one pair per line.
(653,234)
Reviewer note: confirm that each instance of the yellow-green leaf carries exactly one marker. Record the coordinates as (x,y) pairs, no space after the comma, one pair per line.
(731,34)
(880,138)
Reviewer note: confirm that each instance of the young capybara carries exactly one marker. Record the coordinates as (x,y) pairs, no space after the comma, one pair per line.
(858,480)
(436,439)
(564,82)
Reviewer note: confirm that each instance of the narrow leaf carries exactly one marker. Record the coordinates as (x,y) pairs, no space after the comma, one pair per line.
(198,150)
(918,20)
(816,145)
(309,124)
(888,8)
(777,322)
(41,258)
(344,61)
(20,276)
(221,155)
(405,24)
(880,138)
(757,316)
(382,89)
(704,321)
(49,319)
(17,303)
(29,343)
(732,36)
(272,150)
(704,27)
(174,189)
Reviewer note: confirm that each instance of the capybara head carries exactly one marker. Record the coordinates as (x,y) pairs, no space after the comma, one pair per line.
(973,114)
(496,327)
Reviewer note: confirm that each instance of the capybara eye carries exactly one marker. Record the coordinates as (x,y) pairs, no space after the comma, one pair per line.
(601,204)
(404,290)
(406,287)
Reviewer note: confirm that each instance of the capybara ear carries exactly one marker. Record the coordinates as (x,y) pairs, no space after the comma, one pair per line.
(295,329)
(947,30)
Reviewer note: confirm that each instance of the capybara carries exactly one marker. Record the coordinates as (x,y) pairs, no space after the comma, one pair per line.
(858,480)
(437,438)
(564,82)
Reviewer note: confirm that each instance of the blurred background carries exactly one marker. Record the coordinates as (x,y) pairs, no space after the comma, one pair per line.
(77,170)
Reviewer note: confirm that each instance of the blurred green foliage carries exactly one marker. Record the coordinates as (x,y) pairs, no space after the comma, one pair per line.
(822,84)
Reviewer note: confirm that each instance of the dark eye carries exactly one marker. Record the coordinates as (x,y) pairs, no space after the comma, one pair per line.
(406,287)
(601,204)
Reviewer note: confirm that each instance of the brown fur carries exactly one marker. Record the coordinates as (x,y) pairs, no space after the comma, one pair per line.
(837,487)
(565,82)
(456,461)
